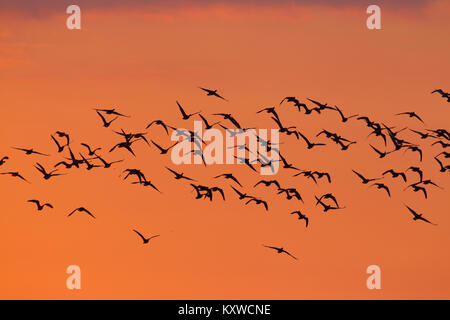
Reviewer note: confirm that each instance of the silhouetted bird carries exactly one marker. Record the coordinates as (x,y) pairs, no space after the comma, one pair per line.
(228,176)
(228,116)
(111,111)
(268,183)
(179,176)
(417,216)
(411,115)
(160,123)
(30,151)
(213,93)
(164,150)
(444,94)
(310,145)
(184,114)
(91,151)
(364,180)
(81,209)
(395,174)
(15,174)
(47,175)
(241,195)
(281,250)
(259,201)
(106,124)
(417,170)
(144,239)
(60,148)
(207,125)
(382,186)
(40,206)
(344,118)
(301,216)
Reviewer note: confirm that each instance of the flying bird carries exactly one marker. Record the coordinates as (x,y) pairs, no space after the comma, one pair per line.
(280,250)
(268,183)
(179,176)
(444,94)
(159,123)
(47,175)
(241,195)
(344,118)
(106,124)
(164,150)
(395,174)
(382,186)
(81,209)
(40,206)
(228,116)
(184,114)
(15,174)
(411,115)
(417,216)
(30,151)
(229,176)
(213,93)
(301,216)
(92,152)
(417,170)
(207,125)
(144,239)
(310,145)
(60,147)
(258,201)
(111,111)
(364,179)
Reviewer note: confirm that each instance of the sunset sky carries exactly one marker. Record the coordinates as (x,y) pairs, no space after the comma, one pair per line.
(141,57)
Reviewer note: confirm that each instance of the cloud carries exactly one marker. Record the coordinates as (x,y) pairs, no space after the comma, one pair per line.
(49,7)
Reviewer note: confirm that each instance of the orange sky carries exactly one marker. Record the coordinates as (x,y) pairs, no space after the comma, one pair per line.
(51,78)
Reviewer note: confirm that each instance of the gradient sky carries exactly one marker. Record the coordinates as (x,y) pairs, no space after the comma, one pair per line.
(142,58)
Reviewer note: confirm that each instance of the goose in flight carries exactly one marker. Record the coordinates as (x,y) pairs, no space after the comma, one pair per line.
(443,94)
(184,114)
(144,239)
(47,175)
(161,149)
(81,209)
(31,151)
(395,174)
(301,216)
(417,216)
(179,176)
(344,119)
(159,123)
(213,93)
(411,115)
(60,147)
(382,186)
(106,124)
(15,174)
(364,179)
(40,206)
(92,152)
(111,111)
(241,195)
(228,176)
(280,250)
(259,201)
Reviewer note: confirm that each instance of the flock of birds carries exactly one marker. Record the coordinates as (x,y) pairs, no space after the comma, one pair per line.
(390,136)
